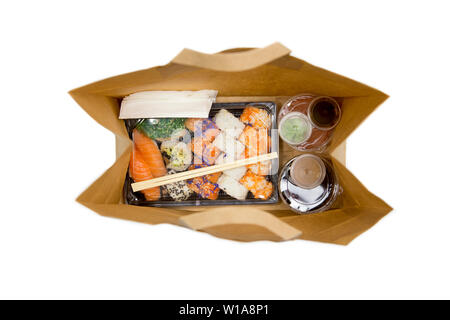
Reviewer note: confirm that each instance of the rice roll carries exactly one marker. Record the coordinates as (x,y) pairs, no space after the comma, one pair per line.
(229,145)
(236,173)
(204,152)
(227,122)
(178,191)
(256,117)
(256,143)
(258,185)
(256,140)
(204,128)
(260,168)
(177,155)
(231,187)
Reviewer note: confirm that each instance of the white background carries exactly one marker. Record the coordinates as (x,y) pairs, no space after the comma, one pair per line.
(52,247)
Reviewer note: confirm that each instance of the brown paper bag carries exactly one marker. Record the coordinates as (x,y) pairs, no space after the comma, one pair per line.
(240,75)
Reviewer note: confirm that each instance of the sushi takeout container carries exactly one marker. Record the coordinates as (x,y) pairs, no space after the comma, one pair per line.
(236,109)
(240,75)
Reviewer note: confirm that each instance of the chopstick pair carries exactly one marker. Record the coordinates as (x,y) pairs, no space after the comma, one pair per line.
(156,182)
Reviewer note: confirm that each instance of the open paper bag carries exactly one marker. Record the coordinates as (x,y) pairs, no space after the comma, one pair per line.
(267,74)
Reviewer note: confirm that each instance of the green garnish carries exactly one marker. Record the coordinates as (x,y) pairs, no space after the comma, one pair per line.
(160,128)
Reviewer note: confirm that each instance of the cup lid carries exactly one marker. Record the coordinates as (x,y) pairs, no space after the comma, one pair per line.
(336,108)
(295,128)
(308,171)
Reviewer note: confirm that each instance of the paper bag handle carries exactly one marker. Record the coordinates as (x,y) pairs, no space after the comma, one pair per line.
(232,61)
(252,216)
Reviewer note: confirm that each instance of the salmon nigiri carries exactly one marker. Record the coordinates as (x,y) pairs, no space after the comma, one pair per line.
(150,153)
(140,171)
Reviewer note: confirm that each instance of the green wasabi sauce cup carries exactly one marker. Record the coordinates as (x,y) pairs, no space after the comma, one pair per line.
(295,128)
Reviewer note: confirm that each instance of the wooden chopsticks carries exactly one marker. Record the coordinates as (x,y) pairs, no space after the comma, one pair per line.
(156,182)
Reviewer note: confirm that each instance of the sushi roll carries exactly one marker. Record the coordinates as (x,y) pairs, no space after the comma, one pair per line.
(212,177)
(225,121)
(260,168)
(256,141)
(256,117)
(232,187)
(204,128)
(210,154)
(229,145)
(177,155)
(178,191)
(204,152)
(181,135)
(258,185)
(236,173)
(205,186)
(197,146)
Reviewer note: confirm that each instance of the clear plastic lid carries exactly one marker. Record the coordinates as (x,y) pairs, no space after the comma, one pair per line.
(309,200)
(295,128)
(308,171)
(322,114)
(233,131)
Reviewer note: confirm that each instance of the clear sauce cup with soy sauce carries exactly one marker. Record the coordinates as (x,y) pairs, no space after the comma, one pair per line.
(307,121)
